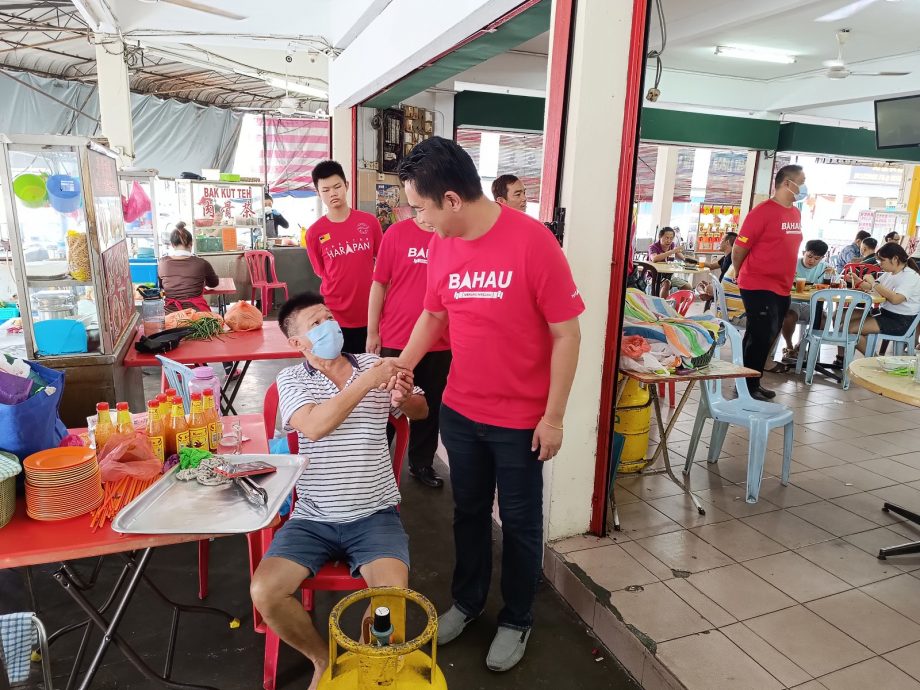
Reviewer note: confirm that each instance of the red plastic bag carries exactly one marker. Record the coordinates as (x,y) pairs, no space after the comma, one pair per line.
(242,316)
(128,455)
(135,205)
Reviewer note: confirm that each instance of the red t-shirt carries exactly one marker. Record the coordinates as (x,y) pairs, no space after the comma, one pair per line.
(773,233)
(343,255)
(402,265)
(501,292)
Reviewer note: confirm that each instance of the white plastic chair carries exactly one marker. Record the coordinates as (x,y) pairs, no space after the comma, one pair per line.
(900,344)
(839,307)
(718,296)
(178,375)
(759,418)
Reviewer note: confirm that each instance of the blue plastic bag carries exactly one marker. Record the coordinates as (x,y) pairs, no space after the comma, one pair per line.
(33,424)
(279,446)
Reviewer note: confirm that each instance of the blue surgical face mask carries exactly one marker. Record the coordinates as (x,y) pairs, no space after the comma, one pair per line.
(327,339)
(802,194)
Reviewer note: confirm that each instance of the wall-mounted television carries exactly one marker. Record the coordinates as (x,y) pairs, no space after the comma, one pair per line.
(897,122)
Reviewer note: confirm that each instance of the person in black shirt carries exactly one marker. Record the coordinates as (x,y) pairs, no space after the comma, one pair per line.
(723,263)
(273,218)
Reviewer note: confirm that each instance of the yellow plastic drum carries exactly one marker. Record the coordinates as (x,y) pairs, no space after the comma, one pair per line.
(632,419)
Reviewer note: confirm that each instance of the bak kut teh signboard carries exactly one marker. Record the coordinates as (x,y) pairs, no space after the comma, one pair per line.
(227,203)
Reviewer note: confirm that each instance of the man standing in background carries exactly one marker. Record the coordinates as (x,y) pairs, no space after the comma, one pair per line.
(396,302)
(764,258)
(342,246)
(509,190)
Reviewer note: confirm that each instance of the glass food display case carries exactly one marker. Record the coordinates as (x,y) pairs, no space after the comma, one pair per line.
(225,216)
(139,206)
(68,249)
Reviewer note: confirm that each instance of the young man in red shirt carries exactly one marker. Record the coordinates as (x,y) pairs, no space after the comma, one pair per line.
(397,297)
(765,256)
(505,288)
(342,246)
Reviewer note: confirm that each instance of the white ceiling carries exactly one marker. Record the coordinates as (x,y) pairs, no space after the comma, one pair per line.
(885,36)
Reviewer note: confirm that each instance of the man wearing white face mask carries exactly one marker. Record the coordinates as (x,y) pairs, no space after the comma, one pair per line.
(347,496)
(765,256)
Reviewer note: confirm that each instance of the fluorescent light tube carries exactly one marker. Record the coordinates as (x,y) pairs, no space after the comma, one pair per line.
(297,87)
(755,54)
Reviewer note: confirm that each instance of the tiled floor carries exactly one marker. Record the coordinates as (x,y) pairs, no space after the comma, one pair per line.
(785,593)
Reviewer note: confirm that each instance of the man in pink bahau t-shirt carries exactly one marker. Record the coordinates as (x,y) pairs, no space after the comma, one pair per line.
(342,246)
(501,281)
(396,302)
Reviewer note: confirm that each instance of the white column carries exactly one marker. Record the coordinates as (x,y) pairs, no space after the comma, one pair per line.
(342,138)
(700,177)
(665,179)
(114,96)
(763,180)
(589,185)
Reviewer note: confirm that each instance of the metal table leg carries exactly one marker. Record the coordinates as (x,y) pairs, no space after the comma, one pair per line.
(667,432)
(227,399)
(663,443)
(129,579)
(900,549)
(613,512)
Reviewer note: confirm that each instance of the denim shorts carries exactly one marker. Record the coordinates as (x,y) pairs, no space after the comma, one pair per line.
(312,544)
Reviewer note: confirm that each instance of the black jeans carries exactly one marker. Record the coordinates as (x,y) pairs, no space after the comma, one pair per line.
(765,312)
(355,340)
(480,457)
(431,377)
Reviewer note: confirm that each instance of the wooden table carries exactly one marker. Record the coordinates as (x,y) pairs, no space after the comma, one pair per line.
(27,542)
(663,268)
(806,296)
(868,373)
(225,287)
(266,343)
(718,369)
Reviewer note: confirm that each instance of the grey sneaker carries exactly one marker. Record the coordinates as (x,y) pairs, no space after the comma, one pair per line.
(451,624)
(507,648)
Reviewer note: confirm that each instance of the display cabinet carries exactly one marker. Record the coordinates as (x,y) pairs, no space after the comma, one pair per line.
(139,205)
(223,216)
(67,245)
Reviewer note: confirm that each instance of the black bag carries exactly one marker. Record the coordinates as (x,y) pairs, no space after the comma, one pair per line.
(161,342)
(636,279)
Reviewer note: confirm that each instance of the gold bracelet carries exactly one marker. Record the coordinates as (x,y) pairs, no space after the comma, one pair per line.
(551,426)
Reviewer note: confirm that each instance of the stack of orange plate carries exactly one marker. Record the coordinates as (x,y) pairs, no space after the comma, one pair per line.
(62,483)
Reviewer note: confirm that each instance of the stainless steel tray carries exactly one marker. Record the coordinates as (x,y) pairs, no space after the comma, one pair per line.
(175,507)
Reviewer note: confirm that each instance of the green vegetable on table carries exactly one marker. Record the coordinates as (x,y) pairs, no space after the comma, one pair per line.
(203,329)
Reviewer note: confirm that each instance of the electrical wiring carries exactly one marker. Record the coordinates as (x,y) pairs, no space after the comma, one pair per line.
(656,54)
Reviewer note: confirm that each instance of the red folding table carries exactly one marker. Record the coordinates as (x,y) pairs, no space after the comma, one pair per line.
(246,347)
(27,542)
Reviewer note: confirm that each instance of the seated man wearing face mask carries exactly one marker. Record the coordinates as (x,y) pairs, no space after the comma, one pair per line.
(347,496)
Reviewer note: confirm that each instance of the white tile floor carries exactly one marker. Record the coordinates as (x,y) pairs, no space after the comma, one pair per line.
(784,593)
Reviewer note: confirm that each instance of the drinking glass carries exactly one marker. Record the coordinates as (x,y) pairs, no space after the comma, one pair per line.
(91,430)
(231,439)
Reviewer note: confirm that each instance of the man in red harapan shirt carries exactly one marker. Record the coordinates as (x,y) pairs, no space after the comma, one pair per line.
(397,299)
(342,246)
(765,257)
(504,286)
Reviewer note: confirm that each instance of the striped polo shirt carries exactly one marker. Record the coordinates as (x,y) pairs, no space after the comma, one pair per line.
(350,475)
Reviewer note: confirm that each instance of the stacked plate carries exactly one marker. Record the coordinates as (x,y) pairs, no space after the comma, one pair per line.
(62,483)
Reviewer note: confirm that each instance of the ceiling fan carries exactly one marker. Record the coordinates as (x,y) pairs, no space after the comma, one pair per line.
(838,69)
(198,7)
(848,10)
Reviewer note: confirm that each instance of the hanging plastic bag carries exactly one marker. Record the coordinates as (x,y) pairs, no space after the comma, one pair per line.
(242,316)
(135,205)
(128,455)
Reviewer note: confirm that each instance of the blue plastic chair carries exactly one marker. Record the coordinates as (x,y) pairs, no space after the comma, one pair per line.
(839,307)
(178,376)
(901,344)
(759,418)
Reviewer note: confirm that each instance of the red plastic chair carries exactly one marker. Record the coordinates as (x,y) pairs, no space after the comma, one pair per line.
(332,577)
(861,270)
(265,281)
(682,299)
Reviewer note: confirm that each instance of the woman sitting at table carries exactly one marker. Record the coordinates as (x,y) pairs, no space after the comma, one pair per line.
(183,275)
(663,250)
(899,284)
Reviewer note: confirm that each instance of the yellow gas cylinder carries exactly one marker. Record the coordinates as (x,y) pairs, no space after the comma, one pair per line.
(632,418)
(388,661)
